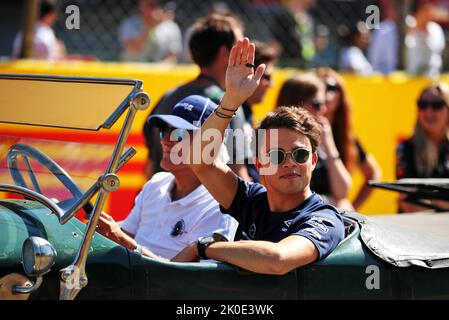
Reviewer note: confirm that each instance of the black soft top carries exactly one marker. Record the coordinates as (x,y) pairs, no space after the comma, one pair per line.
(418,239)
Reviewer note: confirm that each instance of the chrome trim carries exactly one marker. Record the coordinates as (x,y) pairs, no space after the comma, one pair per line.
(45,77)
(38,256)
(27,288)
(27,193)
(69,292)
(122,107)
(81,202)
(11,280)
(126,156)
(88,195)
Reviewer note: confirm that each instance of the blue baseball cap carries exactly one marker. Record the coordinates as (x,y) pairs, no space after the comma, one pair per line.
(189,114)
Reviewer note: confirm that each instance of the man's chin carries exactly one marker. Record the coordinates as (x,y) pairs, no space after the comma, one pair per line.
(291,190)
(170,166)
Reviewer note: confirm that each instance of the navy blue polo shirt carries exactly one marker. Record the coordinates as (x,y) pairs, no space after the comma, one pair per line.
(313,219)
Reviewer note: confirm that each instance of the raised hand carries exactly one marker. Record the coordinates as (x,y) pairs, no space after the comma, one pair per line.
(241,79)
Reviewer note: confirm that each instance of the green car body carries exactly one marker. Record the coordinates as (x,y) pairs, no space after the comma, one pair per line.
(118,273)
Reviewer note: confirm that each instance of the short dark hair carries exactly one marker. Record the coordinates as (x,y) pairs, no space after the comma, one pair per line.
(209,34)
(293,118)
(47,7)
(264,53)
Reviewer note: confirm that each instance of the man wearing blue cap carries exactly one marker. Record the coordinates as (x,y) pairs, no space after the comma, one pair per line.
(174,208)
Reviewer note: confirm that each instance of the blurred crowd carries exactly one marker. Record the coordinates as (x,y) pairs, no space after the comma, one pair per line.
(155,32)
(153,35)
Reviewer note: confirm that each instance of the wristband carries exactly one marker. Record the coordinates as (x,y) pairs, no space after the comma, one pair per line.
(336,157)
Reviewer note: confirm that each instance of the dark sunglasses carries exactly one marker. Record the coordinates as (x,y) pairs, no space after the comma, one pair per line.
(331,87)
(266,77)
(316,104)
(176,135)
(278,156)
(435,105)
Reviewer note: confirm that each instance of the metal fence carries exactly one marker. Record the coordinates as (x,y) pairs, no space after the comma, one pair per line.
(264,20)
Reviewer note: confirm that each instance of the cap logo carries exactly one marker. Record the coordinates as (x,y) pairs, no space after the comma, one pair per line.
(185,105)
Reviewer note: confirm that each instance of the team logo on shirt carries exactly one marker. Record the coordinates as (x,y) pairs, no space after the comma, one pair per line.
(288,223)
(178,228)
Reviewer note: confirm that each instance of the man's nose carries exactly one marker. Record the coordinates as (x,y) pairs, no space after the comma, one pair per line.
(165,139)
(289,161)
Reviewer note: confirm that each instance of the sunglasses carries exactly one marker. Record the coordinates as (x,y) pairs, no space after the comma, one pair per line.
(435,105)
(331,87)
(266,77)
(278,156)
(316,104)
(176,135)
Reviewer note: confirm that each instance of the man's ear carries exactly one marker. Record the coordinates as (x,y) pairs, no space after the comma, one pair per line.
(314,159)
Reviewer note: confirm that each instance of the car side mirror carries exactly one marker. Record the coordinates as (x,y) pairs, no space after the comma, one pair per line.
(38,256)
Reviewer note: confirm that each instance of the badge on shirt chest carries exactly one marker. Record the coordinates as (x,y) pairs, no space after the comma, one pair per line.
(252,231)
(179,228)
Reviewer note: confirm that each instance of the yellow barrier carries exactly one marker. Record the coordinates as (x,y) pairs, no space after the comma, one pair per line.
(383,108)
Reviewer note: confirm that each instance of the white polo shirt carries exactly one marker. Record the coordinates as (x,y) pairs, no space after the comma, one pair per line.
(165,226)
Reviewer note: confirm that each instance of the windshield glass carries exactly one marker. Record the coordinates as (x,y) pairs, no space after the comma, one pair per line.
(59,101)
(24,162)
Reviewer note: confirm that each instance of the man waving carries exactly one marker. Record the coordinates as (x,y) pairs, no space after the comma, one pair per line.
(282,224)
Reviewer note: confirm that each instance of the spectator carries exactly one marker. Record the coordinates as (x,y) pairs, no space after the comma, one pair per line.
(330,177)
(45,44)
(352,153)
(324,54)
(426,153)
(152,35)
(293,30)
(383,52)
(173,209)
(424,41)
(210,42)
(352,58)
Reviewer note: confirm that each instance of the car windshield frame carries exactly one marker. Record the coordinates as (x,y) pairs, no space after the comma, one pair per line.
(130,98)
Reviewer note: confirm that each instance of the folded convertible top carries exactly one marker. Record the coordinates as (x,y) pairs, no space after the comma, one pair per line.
(420,239)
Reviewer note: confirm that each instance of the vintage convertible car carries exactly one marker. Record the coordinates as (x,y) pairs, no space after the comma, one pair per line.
(47,253)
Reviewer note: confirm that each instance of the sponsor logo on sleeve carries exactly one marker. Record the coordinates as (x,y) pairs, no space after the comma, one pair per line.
(318,223)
